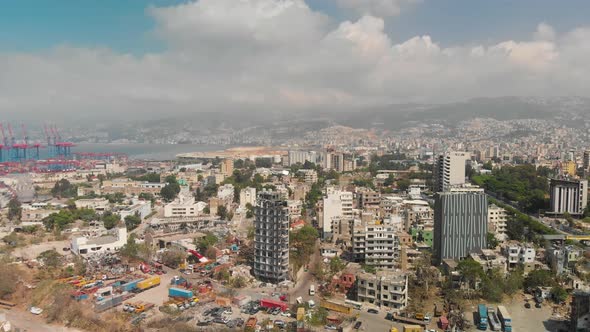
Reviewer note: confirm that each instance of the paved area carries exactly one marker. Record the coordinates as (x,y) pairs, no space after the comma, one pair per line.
(159,294)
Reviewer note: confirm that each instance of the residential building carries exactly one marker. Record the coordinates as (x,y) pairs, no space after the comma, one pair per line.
(460,223)
(586,161)
(568,195)
(184,206)
(130,187)
(520,254)
(387,289)
(497,219)
(367,199)
(227,167)
(99,205)
(489,260)
(225,194)
(337,207)
(112,242)
(310,176)
(449,170)
(271,238)
(375,245)
(139,208)
(294,209)
(247,196)
(300,157)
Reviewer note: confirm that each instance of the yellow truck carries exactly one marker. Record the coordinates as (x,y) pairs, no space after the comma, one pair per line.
(149,283)
(394,329)
(300,314)
(413,328)
(336,307)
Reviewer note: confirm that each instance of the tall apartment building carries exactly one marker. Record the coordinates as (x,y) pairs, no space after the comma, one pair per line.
(569,196)
(497,219)
(376,245)
(586,160)
(302,156)
(337,209)
(271,238)
(386,289)
(247,196)
(460,223)
(227,167)
(449,170)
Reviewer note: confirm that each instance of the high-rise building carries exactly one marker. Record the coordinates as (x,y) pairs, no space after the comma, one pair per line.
(337,209)
(227,167)
(580,312)
(271,238)
(569,196)
(449,170)
(586,160)
(460,223)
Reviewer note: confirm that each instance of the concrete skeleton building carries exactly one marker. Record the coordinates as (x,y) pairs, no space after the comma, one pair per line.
(497,218)
(271,238)
(449,170)
(460,223)
(568,195)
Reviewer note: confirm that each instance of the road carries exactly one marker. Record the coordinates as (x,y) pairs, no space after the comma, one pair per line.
(301,288)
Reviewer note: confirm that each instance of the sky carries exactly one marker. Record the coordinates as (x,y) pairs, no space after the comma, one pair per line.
(124,57)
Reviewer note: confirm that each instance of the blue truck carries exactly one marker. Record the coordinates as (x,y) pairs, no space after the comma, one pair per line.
(178,292)
(482,312)
(130,286)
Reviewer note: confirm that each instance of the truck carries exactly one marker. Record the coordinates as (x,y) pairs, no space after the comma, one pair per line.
(311,290)
(413,328)
(271,303)
(482,317)
(505,318)
(336,307)
(494,321)
(178,292)
(251,322)
(300,314)
(408,320)
(149,283)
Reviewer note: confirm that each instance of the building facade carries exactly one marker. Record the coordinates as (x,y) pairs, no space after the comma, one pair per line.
(449,170)
(271,238)
(387,289)
(376,245)
(497,219)
(337,209)
(460,223)
(569,196)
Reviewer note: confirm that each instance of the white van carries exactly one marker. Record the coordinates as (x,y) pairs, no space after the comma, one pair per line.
(311,303)
(311,290)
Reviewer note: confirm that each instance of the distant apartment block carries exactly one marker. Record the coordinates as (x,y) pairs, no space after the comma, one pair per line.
(449,170)
(337,207)
(247,196)
(568,195)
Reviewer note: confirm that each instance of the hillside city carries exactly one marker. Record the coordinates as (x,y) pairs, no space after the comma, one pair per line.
(484,226)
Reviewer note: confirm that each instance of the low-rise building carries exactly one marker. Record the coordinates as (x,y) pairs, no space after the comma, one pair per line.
(310,176)
(141,209)
(184,207)
(518,254)
(387,289)
(497,218)
(99,205)
(110,242)
(489,260)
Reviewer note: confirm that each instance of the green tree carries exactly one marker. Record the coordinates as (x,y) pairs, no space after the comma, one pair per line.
(514,281)
(170,191)
(131,248)
(58,221)
(492,287)
(403,184)
(63,188)
(336,265)
(539,278)
(470,270)
(492,241)
(206,241)
(50,258)
(222,212)
(558,294)
(369,268)
(173,258)
(132,221)
(14,210)
(110,220)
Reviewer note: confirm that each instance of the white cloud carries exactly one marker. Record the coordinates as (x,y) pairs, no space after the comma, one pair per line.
(376,7)
(273,54)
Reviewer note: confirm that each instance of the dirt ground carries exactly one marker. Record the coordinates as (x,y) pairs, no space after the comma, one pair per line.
(28,322)
(32,251)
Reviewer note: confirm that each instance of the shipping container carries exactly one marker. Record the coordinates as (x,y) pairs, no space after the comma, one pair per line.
(443,322)
(177,292)
(338,307)
(128,287)
(108,303)
(241,300)
(149,283)
(222,301)
(270,303)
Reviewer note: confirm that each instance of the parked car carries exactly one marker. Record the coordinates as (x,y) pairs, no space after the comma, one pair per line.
(357,325)
(279,323)
(538,305)
(373,311)
(527,305)
(286,314)
(331,327)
